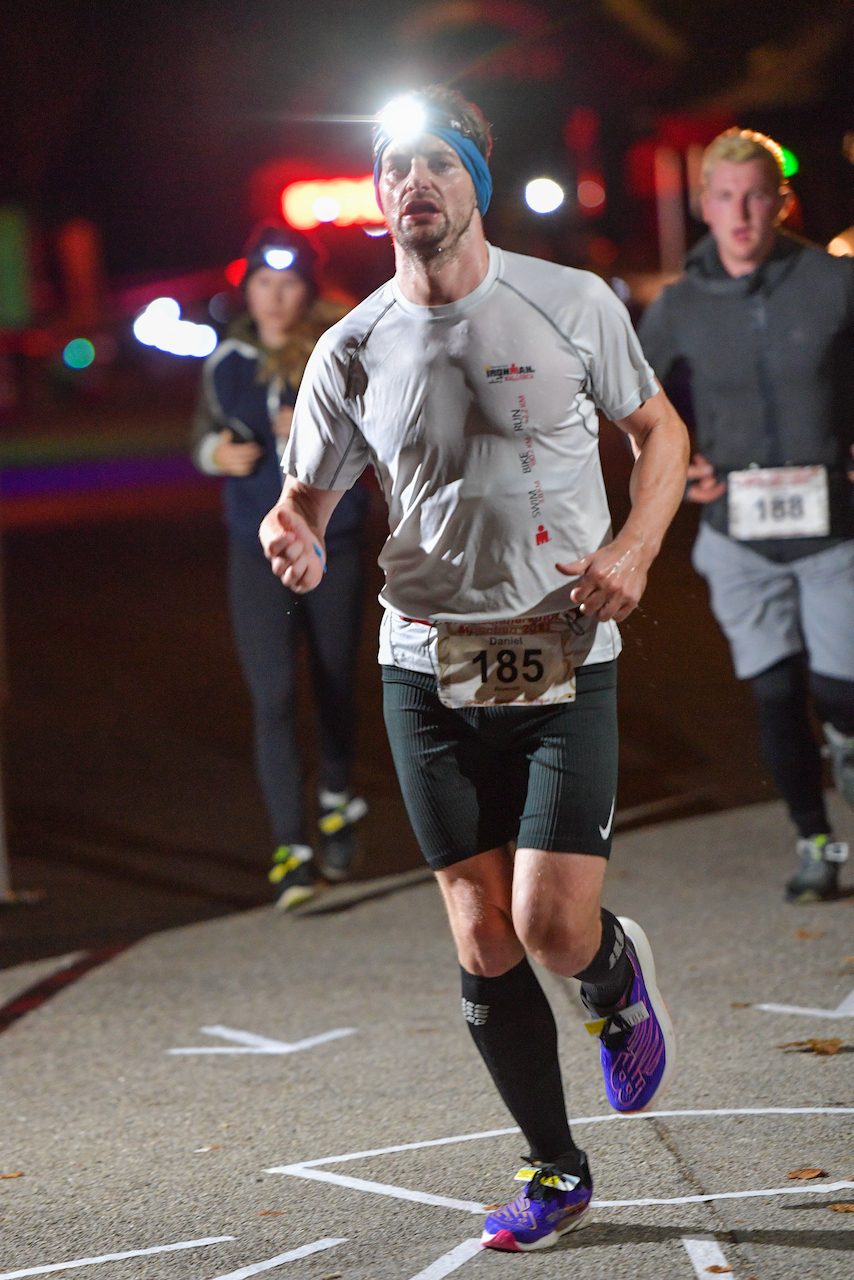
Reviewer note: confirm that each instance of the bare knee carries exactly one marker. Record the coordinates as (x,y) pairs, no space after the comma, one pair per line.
(488,946)
(559,936)
(478,909)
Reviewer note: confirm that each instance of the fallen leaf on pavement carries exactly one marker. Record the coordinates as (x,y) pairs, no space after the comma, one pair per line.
(717,1269)
(808,933)
(12,1175)
(332,1275)
(489,1207)
(824,1048)
(806,1174)
(843,1208)
(739,1004)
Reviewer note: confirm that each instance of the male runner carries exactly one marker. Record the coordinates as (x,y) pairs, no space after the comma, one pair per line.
(471,382)
(765,324)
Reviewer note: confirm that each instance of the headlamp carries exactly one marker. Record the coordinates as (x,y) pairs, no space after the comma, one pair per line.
(279,259)
(404,118)
(408,117)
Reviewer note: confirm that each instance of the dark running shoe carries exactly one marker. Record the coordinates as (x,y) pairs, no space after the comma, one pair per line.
(638,1046)
(293,874)
(817,877)
(552,1203)
(338,817)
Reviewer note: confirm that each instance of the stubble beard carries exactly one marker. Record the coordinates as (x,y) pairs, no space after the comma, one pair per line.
(426,244)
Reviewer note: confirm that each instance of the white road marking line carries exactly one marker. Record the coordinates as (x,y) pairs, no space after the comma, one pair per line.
(407,1146)
(606,1119)
(302,1252)
(450,1261)
(308,1169)
(844,1010)
(820,1188)
(113,1257)
(470,1206)
(378,1188)
(704,1253)
(250,1043)
(727,1111)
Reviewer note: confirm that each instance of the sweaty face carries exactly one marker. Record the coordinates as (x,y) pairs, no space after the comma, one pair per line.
(427,195)
(741,206)
(276,301)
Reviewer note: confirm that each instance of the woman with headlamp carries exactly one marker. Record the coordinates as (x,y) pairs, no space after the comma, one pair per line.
(241,426)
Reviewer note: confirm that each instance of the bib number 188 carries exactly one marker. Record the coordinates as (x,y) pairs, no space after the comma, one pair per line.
(507,671)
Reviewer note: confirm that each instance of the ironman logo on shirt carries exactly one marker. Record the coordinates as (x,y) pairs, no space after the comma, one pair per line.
(508,372)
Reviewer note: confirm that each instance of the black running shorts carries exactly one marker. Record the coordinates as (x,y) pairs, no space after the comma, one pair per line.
(475,778)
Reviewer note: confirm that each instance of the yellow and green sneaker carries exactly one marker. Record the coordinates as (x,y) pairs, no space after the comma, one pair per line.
(817,877)
(293,874)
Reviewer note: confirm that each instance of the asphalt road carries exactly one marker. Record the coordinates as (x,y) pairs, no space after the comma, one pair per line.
(113,1144)
(132,803)
(131,793)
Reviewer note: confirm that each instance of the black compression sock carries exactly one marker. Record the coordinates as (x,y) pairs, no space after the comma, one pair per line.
(609,975)
(574,1162)
(512,1024)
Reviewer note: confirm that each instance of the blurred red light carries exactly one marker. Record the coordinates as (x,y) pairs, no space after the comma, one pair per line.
(345,202)
(591,192)
(234,272)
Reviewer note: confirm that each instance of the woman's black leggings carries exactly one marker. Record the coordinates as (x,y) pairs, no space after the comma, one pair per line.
(786,736)
(266,618)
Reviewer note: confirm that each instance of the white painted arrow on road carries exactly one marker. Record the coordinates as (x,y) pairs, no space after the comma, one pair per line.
(248,1042)
(845,1010)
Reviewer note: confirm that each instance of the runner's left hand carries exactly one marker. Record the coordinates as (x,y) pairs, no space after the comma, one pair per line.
(611,580)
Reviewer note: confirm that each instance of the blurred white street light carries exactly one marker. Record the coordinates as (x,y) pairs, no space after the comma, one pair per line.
(160,325)
(543,195)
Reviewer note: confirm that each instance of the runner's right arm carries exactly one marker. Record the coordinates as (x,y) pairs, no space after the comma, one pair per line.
(324,458)
(292,534)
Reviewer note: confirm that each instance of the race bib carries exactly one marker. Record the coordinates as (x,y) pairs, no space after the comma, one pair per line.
(524,662)
(778,502)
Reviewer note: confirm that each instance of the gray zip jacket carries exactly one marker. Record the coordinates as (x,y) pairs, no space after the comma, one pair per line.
(770,358)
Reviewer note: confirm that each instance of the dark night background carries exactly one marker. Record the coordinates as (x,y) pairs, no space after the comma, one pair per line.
(150,119)
(168,127)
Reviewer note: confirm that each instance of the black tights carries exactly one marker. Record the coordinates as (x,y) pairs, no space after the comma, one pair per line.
(786,737)
(266,618)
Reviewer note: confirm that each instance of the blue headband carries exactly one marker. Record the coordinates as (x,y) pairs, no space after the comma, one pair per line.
(465,149)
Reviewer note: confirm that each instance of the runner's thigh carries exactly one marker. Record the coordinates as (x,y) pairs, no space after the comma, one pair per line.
(827,610)
(463,795)
(755,601)
(572,781)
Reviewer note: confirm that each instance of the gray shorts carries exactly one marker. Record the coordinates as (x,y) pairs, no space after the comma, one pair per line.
(769,611)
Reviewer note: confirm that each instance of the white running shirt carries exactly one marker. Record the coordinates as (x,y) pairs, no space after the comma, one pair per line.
(479,418)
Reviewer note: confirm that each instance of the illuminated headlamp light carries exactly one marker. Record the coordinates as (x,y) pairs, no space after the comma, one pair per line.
(279,259)
(407,118)
(403,118)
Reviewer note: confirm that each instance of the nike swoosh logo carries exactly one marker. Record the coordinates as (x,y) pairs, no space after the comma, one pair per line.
(606,830)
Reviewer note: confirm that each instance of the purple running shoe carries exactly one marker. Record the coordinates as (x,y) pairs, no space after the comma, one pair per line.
(551,1204)
(638,1046)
